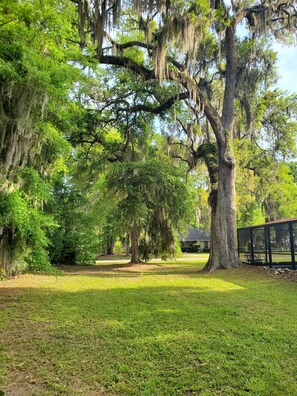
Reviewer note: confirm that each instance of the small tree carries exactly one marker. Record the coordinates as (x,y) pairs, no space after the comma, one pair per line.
(153,201)
(75,240)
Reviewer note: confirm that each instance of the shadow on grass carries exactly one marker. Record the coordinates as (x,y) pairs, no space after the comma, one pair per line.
(133,270)
(191,270)
(184,269)
(204,335)
(102,270)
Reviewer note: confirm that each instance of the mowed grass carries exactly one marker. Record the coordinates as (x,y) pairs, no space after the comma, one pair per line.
(154,329)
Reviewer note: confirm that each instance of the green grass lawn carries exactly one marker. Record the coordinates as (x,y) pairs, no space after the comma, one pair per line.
(155,329)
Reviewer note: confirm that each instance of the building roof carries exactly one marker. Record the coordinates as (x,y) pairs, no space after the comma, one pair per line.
(289,220)
(194,234)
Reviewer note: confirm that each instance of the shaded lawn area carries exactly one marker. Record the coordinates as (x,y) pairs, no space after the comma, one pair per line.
(153,329)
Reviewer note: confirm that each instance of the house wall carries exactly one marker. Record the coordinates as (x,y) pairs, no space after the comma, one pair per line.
(192,245)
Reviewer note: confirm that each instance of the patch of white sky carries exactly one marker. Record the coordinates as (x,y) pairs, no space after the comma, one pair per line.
(287,67)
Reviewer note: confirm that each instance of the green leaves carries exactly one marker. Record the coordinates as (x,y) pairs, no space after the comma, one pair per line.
(25,227)
(153,195)
(13,211)
(38,51)
(76,240)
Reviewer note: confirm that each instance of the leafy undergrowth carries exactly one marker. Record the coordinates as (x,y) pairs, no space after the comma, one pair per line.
(152,329)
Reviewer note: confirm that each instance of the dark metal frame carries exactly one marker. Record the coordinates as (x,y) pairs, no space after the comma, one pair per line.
(254,255)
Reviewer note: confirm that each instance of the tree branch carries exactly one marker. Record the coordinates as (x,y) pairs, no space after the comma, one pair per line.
(180,77)
(128,44)
(5,23)
(156,110)
(127,63)
(231,72)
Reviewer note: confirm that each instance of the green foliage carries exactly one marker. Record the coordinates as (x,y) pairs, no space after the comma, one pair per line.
(33,42)
(45,92)
(293,170)
(250,212)
(153,196)
(279,123)
(266,187)
(281,195)
(76,240)
(26,225)
(55,149)
(37,70)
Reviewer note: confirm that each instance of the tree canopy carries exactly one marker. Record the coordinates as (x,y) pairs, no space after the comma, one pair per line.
(191,51)
(95,95)
(153,198)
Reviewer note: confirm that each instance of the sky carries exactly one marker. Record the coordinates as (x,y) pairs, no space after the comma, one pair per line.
(287,66)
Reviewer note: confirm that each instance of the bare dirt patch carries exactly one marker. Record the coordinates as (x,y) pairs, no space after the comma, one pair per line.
(103,268)
(22,384)
(276,273)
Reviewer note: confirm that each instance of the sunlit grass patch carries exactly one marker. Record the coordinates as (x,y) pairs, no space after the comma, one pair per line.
(156,329)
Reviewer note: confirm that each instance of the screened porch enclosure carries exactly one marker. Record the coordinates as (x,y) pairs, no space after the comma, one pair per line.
(273,244)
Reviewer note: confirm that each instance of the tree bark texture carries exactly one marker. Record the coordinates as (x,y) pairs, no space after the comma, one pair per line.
(6,258)
(223,246)
(109,251)
(135,235)
(127,244)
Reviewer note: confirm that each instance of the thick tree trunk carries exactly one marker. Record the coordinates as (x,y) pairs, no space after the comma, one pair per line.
(135,235)
(6,259)
(127,244)
(223,246)
(109,249)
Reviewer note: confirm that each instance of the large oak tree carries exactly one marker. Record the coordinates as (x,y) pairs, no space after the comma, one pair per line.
(190,48)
